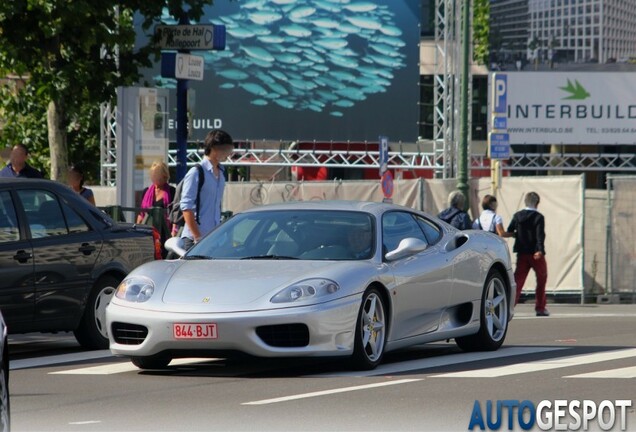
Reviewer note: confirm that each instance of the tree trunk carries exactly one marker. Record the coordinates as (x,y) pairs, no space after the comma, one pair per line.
(56,121)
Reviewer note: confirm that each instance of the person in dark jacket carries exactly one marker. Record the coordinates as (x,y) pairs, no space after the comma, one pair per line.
(455,215)
(528,227)
(18,166)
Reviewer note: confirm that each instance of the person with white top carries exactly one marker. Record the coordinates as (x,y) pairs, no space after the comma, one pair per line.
(489,220)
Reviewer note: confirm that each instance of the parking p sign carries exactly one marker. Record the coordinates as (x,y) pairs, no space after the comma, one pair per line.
(500,88)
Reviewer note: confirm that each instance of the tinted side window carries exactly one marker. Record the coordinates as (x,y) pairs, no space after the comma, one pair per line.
(75,222)
(432,232)
(396,226)
(8,221)
(44,214)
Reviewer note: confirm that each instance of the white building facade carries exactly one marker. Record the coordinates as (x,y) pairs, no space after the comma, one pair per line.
(583,30)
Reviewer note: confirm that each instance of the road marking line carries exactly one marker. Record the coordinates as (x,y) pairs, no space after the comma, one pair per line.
(85,422)
(332,391)
(626,372)
(116,368)
(541,365)
(58,359)
(443,360)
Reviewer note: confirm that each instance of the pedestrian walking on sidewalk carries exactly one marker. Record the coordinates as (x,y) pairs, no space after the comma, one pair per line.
(528,228)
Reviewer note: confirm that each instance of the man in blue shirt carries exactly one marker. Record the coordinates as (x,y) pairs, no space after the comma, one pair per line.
(17,166)
(218,146)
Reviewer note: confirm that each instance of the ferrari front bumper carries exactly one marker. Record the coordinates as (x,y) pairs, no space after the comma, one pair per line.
(331,328)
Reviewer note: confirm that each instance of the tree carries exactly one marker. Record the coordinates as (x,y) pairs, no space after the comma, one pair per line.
(481,31)
(73,55)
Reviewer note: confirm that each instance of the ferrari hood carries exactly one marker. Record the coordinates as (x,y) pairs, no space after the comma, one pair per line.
(236,285)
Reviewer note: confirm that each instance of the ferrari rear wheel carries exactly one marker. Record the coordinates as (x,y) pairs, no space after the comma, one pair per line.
(157,361)
(493,317)
(370,336)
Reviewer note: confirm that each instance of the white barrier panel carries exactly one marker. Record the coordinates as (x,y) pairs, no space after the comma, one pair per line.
(561,204)
(242,196)
(623,226)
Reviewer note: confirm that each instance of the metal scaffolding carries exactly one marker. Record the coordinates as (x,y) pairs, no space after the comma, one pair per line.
(108,144)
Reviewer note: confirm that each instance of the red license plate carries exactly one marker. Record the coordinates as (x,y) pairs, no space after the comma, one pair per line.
(194,331)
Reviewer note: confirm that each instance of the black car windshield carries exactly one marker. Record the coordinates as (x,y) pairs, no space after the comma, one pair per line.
(291,234)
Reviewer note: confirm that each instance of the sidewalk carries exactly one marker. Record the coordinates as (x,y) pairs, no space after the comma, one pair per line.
(526,310)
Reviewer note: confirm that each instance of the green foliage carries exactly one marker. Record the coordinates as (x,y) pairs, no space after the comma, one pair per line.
(74,53)
(481,31)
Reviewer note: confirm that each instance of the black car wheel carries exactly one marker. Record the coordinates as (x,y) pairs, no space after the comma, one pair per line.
(370,336)
(493,317)
(157,361)
(92,332)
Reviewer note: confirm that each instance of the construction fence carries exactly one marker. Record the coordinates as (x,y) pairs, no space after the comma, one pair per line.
(621,236)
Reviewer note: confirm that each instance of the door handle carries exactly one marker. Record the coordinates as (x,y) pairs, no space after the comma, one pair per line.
(86,249)
(22,256)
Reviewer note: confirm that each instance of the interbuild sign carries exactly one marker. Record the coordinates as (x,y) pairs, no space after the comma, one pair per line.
(568,108)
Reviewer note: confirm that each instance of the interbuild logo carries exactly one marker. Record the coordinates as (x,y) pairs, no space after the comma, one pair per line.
(579,108)
(550,415)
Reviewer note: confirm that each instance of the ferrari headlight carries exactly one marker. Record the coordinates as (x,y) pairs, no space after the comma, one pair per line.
(307,289)
(136,289)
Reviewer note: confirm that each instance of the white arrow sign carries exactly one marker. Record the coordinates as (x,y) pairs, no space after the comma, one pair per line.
(189,67)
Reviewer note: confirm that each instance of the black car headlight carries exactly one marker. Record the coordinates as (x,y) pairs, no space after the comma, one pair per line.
(305,290)
(136,289)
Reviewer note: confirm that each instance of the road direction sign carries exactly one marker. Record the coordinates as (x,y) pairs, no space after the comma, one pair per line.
(191,37)
(189,67)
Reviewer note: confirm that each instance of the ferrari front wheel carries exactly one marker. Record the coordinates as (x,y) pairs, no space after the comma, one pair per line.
(493,317)
(370,336)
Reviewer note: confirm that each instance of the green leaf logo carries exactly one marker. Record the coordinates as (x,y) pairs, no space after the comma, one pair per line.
(576,91)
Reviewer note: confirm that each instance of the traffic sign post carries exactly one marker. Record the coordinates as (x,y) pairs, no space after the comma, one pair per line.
(498,138)
(183,66)
(384,154)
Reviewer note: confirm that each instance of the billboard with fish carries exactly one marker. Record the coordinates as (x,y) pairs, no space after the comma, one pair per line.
(308,70)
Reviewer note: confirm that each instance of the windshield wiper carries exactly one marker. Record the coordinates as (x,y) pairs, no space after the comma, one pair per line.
(272,257)
(197,257)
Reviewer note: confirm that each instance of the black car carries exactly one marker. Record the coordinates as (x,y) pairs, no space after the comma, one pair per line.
(5,411)
(61,259)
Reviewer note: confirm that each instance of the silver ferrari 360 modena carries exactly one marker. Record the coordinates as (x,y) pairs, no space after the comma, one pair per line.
(340,278)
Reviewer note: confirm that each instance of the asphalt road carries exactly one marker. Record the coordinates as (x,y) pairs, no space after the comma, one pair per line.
(578,353)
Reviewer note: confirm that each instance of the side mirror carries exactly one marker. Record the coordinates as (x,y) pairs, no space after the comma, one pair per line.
(175,244)
(408,246)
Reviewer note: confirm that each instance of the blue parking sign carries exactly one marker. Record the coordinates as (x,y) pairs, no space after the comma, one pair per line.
(500,90)
(499,145)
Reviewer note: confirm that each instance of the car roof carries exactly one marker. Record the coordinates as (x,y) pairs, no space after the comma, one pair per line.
(375,208)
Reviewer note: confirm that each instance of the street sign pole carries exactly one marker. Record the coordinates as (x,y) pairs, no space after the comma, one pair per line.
(182,117)
(183,38)
(182,128)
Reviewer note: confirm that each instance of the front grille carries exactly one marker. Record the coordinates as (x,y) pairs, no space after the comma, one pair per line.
(128,334)
(284,335)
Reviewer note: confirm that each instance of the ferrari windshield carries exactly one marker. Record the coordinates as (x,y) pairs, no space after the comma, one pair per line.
(295,234)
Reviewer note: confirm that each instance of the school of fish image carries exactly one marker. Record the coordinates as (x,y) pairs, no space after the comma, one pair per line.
(318,55)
